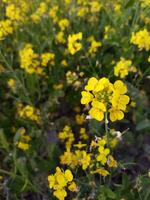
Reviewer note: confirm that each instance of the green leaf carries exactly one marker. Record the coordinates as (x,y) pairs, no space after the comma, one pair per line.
(129,3)
(125,181)
(107,192)
(143,125)
(15,185)
(3,141)
(110,194)
(21,166)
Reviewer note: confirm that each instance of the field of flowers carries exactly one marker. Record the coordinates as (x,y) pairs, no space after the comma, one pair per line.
(75,99)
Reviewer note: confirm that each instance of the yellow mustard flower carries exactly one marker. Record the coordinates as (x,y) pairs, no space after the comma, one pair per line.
(64,63)
(46,58)
(97,110)
(108,30)
(28,59)
(101,171)
(80,119)
(105,97)
(82,11)
(95,6)
(112,162)
(68,136)
(141,39)
(11,83)
(85,159)
(69,158)
(28,112)
(117,8)
(53,13)
(103,153)
(122,68)
(6,28)
(23,141)
(60,194)
(17,11)
(63,24)
(73,43)
(23,146)
(114,142)
(60,181)
(72,187)
(60,37)
(38,14)
(83,134)
(94,45)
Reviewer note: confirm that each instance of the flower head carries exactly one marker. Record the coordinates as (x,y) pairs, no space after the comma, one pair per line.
(105,97)
(73,43)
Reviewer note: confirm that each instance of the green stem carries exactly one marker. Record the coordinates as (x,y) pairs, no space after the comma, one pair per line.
(106,126)
(6,172)
(15,76)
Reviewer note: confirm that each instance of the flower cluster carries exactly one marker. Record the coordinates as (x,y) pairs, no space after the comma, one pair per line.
(73,78)
(67,135)
(141,39)
(32,62)
(94,45)
(85,8)
(39,13)
(83,134)
(97,158)
(123,67)
(63,24)
(23,140)
(6,28)
(16,12)
(53,13)
(108,30)
(76,158)
(105,97)
(60,182)
(73,43)
(28,112)
(103,157)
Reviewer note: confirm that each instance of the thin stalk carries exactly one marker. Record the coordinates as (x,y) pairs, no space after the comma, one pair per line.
(106,126)
(15,76)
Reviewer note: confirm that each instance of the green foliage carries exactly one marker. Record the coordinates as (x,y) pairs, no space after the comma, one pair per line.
(36,105)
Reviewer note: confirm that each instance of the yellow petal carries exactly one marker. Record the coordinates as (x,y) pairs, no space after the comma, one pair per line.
(102,83)
(120,115)
(96,114)
(120,87)
(91,84)
(72,187)
(68,175)
(124,99)
(86,97)
(61,180)
(100,105)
